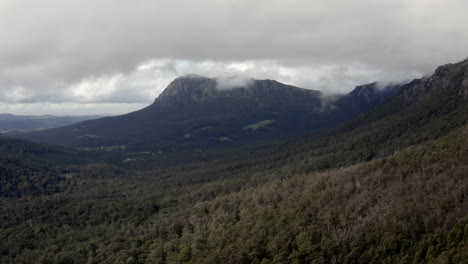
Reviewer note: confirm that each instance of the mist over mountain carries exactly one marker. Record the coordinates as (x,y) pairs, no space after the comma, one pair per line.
(233,132)
(387,186)
(196,112)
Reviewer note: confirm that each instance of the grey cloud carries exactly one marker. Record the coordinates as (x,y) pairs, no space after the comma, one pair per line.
(226,83)
(49,46)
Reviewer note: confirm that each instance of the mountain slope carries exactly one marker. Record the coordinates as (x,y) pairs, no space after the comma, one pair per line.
(385,211)
(425,109)
(31,168)
(410,207)
(402,197)
(193,113)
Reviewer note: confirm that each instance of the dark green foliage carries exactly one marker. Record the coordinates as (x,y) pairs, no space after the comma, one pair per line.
(406,208)
(17,180)
(388,187)
(28,168)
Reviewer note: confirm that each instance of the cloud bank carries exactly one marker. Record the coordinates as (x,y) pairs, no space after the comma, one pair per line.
(105,52)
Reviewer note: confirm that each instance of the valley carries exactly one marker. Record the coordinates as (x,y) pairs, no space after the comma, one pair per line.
(259,174)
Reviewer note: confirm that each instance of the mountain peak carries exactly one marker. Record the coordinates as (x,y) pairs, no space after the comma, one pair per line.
(188,87)
(196,88)
(448,68)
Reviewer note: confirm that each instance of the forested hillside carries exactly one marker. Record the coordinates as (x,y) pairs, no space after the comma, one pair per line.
(407,208)
(388,187)
(29,168)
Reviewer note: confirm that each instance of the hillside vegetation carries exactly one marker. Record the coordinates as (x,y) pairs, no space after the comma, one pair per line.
(390,186)
(406,208)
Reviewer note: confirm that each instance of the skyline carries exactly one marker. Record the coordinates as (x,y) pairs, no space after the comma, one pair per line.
(105,57)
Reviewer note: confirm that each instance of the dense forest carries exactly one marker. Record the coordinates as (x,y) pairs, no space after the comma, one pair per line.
(407,208)
(390,186)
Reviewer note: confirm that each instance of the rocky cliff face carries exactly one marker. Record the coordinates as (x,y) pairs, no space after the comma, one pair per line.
(196,89)
(188,88)
(446,78)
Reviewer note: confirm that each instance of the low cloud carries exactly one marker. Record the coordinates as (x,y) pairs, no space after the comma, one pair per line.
(126,52)
(227,83)
(147,80)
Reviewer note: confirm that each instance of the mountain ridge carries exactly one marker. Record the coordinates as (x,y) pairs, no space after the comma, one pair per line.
(386,187)
(199,88)
(192,113)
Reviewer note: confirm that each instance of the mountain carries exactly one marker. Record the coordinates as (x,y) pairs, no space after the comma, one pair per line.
(424,110)
(16,123)
(366,97)
(196,112)
(388,186)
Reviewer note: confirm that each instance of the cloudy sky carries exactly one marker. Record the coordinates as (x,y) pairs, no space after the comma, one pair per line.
(115,56)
